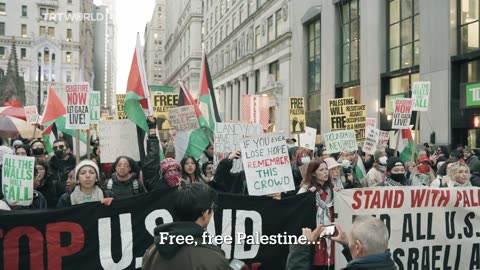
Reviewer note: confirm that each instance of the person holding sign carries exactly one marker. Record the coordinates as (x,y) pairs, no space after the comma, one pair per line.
(395,173)
(316,180)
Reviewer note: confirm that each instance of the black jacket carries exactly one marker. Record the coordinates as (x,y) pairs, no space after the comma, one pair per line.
(381,261)
(152,176)
(123,189)
(52,190)
(58,167)
(226,181)
(203,256)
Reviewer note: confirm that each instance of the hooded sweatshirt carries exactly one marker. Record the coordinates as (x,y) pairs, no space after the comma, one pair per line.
(164,254)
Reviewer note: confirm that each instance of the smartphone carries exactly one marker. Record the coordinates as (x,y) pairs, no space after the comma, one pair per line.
(328,231)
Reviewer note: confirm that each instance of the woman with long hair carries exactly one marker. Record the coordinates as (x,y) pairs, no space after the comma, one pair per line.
(458,175)
(191,170)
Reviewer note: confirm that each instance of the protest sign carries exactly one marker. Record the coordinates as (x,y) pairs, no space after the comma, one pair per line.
(31,113)
(307,139)
(341,140)
(17,179)
(420,96)
(402,113)
(256,109)
(429,228)
(227,138)
(118,138)
(78,112)
(161,104)
(95,236)
(371,141)
(356,120)
(94,107)
(120,106)
(338,112)
(372,122)
(267,164)
(183,118)
(383,139)
(389,101)
(297,115)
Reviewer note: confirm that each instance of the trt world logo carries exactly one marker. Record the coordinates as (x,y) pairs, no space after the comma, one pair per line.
(75,17)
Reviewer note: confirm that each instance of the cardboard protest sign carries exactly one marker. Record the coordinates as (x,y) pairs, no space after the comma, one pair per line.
(402,113)
(297,115)
(256,109)
(183,118)
(94,107)
(267,165)
(429,228)
(371,141)
(17,179)
(118,138)
(120,106)
(31,112)
(356,120)
(338,112)
(342,140)
(227,137)
(78,112)
(307,139)
(389,102)
(161,104)
(383,139)
(372,122)
(420,96)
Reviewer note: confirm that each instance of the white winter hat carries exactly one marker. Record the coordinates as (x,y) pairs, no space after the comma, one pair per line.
(84,163)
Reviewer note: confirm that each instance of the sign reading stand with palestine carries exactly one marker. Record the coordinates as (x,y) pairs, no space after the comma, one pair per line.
(297,115)
(420,96)
(402,113)
(31,112)
(17,179)
(267,165)
(78,112)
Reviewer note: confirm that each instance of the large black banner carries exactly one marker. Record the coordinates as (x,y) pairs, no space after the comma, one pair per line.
(94,236)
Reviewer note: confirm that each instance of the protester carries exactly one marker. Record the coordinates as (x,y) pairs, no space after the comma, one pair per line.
(47,184)
(207,171)
(472,160)
(376,174)
(38,202)
(351,180)
(38,150)
(395,173)
(334,172)
(227,181)
(206,156)
(4,151)
(62,160)
(191,170)
(194,207)
(458,175)
(316,180)
(22,150)
(86,173)
(423,173)
(441,154)
(124,182)
(441,172)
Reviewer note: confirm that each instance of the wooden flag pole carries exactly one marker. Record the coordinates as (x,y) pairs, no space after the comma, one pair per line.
(298,138)
(88,143)
(398,141)
(77,145)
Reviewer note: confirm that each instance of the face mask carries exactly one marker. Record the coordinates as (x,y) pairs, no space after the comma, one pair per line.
(381,168)
(305,160)
(38,151)
(423,168)
(172,178)
(291,145)
(398,177)
(60,153)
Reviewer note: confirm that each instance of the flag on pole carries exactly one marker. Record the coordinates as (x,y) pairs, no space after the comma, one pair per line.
(360,170)
(137,98)
(405,144)
(207,101)
(48,138)
(54,107)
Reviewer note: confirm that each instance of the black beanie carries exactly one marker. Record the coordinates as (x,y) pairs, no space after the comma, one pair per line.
(394,161)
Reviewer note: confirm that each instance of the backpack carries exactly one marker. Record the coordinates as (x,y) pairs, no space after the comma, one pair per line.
(135,184)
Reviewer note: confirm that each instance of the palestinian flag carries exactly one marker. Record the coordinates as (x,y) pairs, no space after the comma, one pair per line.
(207,101)
(360,169)
(405,144)
(48,138)
(54,107)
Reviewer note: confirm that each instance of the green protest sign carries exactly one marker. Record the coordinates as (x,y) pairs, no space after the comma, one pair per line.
(94,107)
(17,179)
(472,94)
(420,96)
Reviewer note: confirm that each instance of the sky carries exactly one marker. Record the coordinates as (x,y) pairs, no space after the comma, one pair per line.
(131,16)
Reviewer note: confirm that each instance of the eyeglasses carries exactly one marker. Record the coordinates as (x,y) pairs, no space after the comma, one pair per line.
(62,147)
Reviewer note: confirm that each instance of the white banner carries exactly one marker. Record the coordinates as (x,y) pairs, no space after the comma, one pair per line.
(307,139)
(17,179)
(430,228)
(118,138)
(267,165)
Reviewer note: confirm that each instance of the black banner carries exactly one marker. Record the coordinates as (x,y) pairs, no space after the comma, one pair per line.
(94,236)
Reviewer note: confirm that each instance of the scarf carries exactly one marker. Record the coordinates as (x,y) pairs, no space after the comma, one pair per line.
(78,197)
(323,213)
(389,182)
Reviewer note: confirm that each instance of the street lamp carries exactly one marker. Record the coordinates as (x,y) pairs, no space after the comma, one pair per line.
(39,80)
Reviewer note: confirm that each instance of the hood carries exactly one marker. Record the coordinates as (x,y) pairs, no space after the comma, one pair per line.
(168,250)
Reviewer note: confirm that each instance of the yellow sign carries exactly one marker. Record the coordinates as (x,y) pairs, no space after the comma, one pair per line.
(297,115)
(345,114)
(120,106)
(161,104)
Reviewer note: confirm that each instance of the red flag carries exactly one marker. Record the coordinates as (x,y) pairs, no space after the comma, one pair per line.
(54,107)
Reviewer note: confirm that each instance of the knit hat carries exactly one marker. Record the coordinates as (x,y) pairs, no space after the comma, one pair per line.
(5,150)
(169,163)
(86,162)
(377,154)
(393,162)
(331,163)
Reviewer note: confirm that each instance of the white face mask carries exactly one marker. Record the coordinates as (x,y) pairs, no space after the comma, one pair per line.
(305,160)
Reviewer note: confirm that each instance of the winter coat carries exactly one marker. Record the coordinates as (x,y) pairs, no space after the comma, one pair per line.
(473,163)
(58,167)
(123,189)
(152,175)
(226,181)
(175,256)
(51,189)
(381,261)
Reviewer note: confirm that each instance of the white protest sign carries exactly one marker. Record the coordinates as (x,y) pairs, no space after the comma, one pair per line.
(227,138)
(371,141)
(17,179)
(183,118)
(420,96)
(341,140)
(307,139)
(433,227)
(372,122)
(118,138)
(94,107)
(383,138)
(31,112)
(402,113)
(78,112)
(267,165)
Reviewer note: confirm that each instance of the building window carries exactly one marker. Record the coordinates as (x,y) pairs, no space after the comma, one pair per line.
(270,30)
(350,41)
(2,52)
(24,11)
(278,23)
(469,25)
(24,30)
(53,57)
(227,28)
(3,9)
(69,34)
(234,21)
(257,37)
(43,11)
(241,14)
(23,53)
(69,1)
(314,56)
(274,71)
(51,31)
(2,29)
(68,77)
(69,57)
(46,55)
(403,30)
(69,15)
(43,30)
(251,7)
(257,81)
